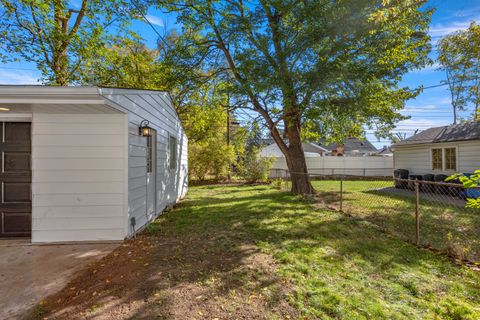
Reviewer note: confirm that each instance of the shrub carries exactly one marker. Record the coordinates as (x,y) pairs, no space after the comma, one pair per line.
(469,182)
(253,167)
(209,158)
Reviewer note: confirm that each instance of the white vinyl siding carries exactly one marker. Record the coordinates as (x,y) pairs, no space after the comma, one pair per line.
(137,178)
(417,159)
(156,107)
(78,177)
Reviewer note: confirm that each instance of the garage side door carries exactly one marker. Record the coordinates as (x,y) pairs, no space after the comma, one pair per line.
(15,179)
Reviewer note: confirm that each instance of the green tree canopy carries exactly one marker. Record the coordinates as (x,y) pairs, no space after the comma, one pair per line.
(330,67)
(472,181)
(201,103)
(57,36)
(125,62)
(206,123)
(459,56)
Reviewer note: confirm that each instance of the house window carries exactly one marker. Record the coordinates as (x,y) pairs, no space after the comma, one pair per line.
(437,163)
(444,159)
(173,152)
(450,159)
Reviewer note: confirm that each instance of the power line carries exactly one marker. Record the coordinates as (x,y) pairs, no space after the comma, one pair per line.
(149,23)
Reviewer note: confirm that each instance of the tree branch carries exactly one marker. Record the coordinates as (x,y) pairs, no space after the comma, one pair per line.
(78,20)
(256,104)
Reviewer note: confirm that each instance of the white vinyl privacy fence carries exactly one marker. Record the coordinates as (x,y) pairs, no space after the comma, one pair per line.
(368,166)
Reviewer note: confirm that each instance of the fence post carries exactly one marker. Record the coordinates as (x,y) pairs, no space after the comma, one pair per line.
(341,193)
(417,213)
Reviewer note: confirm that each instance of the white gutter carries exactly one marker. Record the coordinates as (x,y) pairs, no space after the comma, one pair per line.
(50,95)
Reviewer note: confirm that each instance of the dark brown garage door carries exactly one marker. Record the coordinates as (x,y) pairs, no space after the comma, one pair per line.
(15,179)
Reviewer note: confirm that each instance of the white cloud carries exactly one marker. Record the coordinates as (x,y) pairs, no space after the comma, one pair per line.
(427,107)
(18,77)
(461,13)
(428,69)
(437,102)
(410,125)
(440,30)
(445,100)
(471,11)
(155,20)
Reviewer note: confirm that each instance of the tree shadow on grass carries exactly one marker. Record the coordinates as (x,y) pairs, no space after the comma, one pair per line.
(287,219)
(204,260)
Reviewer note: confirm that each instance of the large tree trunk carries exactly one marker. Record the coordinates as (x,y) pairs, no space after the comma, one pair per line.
(477,102)
(295,158)
(60,68)
(298,169)
(59,60)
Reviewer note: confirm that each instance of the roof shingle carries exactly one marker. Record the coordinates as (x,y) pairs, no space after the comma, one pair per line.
(351,144)
(460,132)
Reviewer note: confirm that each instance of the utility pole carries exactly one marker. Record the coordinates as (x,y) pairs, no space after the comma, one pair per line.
(228,109)
(228,126)
(229,169)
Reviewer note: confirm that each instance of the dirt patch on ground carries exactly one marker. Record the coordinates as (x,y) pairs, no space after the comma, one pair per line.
(30,272)
(168,277)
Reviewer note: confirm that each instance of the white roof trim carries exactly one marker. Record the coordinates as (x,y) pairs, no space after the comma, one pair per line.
(39,94)
(38,100)
(47,90)
(129,91)
(16,117)
(50,95)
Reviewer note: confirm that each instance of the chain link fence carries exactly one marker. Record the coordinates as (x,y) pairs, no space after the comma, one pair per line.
(427,213)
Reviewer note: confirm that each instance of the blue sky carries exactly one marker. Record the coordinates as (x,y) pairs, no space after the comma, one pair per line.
(430,108)
(433,106)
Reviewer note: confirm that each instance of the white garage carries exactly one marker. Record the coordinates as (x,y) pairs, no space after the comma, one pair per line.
(87,163)
(440,150)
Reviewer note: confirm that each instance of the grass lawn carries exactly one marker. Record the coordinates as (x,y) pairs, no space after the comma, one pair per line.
(209,259)
(452,229)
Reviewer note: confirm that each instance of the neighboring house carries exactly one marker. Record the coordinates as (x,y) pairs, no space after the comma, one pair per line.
(386,151)
(79,164)
(351,147)
(310,150)
(440,150)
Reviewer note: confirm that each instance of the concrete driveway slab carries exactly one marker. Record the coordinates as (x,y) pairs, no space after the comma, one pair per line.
(29,273)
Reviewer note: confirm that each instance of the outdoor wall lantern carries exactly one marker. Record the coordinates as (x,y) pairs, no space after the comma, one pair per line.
(145,130)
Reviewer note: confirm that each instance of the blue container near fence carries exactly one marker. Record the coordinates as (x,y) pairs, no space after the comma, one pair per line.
(472,193)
